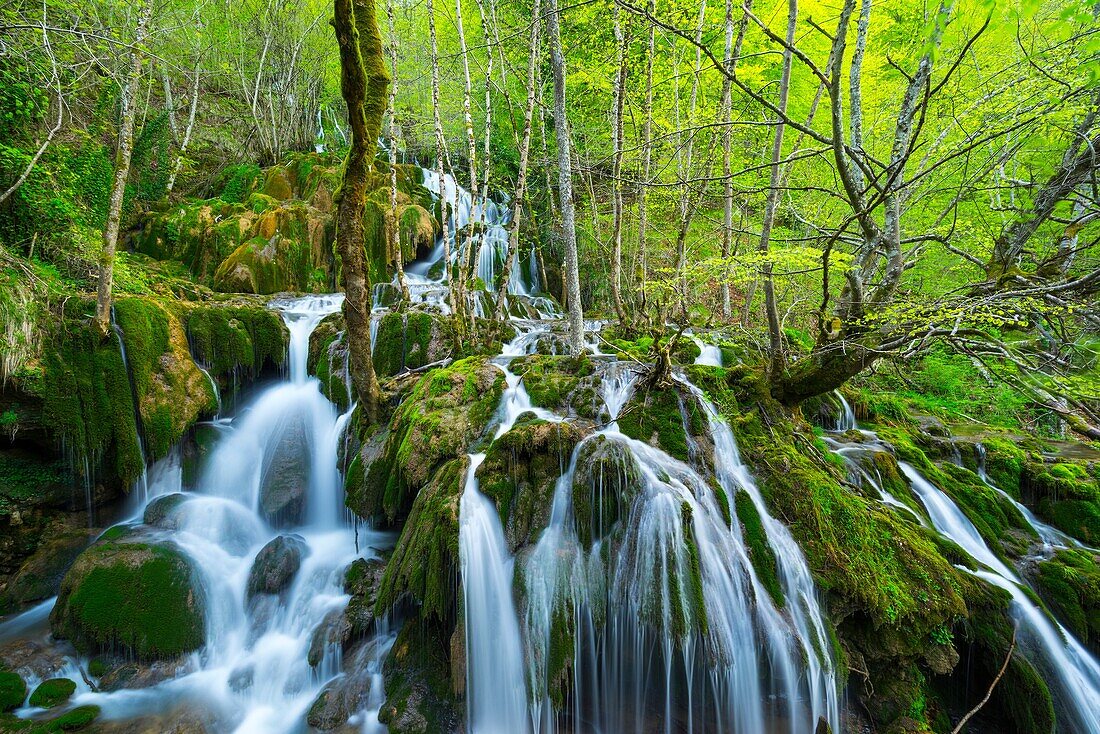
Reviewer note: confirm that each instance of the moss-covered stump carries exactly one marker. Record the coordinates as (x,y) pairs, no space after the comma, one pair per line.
(520,472)
(424,564)
(407,340)
(13,691)
(446,412)
(1069,582)
(173,393)
(52,692)
(419,699)
(132,597)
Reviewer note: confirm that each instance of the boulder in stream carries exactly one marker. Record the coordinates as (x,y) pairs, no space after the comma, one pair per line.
(276,565)
(130,595)
(286,479)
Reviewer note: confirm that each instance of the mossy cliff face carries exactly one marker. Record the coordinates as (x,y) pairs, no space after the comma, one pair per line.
(408,340)
(133,597)
(272,231)
(445,413)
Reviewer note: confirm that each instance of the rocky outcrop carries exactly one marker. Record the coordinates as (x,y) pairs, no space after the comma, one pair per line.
(286,478)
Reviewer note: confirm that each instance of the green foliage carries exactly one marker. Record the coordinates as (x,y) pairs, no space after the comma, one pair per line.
(1070,583)
(240,181)
(12,691)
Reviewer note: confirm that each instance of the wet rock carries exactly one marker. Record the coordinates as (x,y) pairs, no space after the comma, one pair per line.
(40,575)
(333,631)
(605,483)
(52,692)
(134,596)
(241,679)
(286,480)
(418,699)
(933,426)
(160,512)
(131,674)
(32,658)
(276,565)
(362,581)
(261,610)
(345,696)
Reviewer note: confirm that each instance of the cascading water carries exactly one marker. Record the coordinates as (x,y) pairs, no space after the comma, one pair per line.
(666,621)
(709,355)
(1073,672)
(273,473)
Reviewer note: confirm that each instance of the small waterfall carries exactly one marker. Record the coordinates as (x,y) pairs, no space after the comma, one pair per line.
(496,694)
(846,419)
(709,354)
(1072,669)
(1049,535)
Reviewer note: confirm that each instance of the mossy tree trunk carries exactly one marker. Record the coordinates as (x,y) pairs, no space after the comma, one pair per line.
(102,321)
(363,83)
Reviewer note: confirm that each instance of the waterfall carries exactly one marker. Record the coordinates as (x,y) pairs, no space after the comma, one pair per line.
(1074,674)
(496,694)
(1050,536)
(709,354)
(253,673)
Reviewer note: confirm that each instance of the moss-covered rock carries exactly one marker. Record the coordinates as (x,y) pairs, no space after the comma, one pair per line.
(442,417)
(77,718)
(520,472)
(1067,494)
(131,596)
(13,691)
(606,482)
(1069,582)
(424,565)
(419,699)
(276,565)
(268,265)
(39,577)
(235,341)
(663,418)
(411,339)
(52,692)
(172,391)
(760,551)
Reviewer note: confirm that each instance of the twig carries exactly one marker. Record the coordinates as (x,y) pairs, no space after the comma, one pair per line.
(1004,666)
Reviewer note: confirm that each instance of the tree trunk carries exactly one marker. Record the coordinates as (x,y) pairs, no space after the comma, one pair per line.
(471,141)
(775,333)
(102,321)
(647,155)
(394,228)
(565,185)
(363,84)
(617,142)
(441,156)
(178,165)
(524,161)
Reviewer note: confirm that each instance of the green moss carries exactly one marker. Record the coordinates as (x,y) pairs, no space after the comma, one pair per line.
(1070,583)
(605,483)
(419,695)
(77,718)
(13,691)
(1004,462)
(50,693)
(654,416)
(551,381)
(88,400)
(131,596)
(445,412)
(760,551)
(229,340)
(425,561)
(1067,494)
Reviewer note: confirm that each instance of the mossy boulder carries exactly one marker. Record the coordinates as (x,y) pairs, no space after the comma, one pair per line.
(446,412)
(160,513)
(40,576)
(663,418)
(266,265)
(606,482)
(13,691)
(130,596)
(565,385)
(520,472)
(1067,494)
(424,564)
(52,692)
(362,581)
(77,718)
(1069,582)
(235,340)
